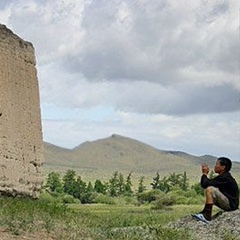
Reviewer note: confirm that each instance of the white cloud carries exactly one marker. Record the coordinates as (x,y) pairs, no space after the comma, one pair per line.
(165,72)
(53,26)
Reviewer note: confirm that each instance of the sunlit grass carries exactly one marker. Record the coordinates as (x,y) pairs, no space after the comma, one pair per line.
(95,221)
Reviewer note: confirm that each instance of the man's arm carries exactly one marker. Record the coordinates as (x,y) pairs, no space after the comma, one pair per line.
(205,181)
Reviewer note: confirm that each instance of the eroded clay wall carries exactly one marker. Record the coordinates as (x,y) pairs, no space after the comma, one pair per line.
(21,144)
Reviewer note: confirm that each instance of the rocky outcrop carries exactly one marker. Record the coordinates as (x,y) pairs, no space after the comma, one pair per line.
(21,144)
(225,226)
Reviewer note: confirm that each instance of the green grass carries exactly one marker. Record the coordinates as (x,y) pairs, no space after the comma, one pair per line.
(19,215)
(76,221)
(127,216)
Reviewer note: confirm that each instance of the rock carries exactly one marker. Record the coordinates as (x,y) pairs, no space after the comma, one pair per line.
(225,226)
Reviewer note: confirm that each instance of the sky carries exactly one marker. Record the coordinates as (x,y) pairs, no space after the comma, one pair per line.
(164,72)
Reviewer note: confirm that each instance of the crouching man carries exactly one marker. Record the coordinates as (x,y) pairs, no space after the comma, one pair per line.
(221,191)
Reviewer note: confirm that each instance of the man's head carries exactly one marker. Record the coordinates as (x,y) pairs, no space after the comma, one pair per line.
(223,165)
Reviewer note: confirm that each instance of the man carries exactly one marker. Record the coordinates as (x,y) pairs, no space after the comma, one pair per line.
(221,191)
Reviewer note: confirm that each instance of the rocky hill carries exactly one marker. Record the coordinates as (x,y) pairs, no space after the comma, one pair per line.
(102,157)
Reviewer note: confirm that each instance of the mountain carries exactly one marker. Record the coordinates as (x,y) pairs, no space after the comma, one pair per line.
(101,158)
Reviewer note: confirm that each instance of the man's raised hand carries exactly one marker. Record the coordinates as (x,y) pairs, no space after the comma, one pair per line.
(205,169)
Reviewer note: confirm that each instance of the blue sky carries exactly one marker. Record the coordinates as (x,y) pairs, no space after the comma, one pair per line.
(162,72)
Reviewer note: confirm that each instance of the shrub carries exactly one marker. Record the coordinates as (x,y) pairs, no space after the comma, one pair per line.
(180,199)
(101,198)
(88,197)
(47,197)
(186,197)
(130,200)
(190,193)
(198,189)
(70,199)
(163,201)
(150,196)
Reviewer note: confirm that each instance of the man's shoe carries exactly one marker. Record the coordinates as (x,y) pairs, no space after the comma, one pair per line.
(200,217)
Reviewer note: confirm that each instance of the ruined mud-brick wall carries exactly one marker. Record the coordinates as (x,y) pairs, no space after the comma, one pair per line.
(21,144)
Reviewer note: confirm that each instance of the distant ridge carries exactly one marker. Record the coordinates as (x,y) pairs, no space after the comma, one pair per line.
(118,153)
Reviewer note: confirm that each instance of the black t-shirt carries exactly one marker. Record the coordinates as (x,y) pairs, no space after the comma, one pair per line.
(226,185)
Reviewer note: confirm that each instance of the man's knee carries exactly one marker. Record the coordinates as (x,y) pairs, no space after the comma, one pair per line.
(210,194)
(209,190)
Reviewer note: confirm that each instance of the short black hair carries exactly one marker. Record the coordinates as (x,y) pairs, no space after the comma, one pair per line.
(225,162)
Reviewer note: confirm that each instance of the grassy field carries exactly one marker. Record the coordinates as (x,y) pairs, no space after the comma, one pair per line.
(23,218)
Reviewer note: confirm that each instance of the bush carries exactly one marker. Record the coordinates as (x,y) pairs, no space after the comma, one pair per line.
(104,199)
(198,189)
(68,199)
(186,197)
(180,199)
(150,196)
(163,201)
(190,193)
(130,200)
(88,197)
(47,197)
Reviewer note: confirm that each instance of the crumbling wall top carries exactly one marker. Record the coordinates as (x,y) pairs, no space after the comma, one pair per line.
(17,46)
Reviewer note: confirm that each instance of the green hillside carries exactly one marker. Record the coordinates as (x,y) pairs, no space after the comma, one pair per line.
(101,158)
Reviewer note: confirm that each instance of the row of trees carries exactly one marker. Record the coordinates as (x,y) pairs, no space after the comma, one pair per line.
(73,185)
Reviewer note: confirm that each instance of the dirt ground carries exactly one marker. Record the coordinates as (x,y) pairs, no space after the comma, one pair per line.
(6,235)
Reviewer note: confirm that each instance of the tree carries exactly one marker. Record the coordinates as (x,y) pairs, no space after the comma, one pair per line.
(69,182)
(90,187)
(168,183)
(99,187)
(198,189)
(174,179)
(161,184)
(121,184)
(54,182)
(156,181)
(184,185)
(178,180)
(164,185)
(141,187)
(128,185)
(80,188)
(114,185)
